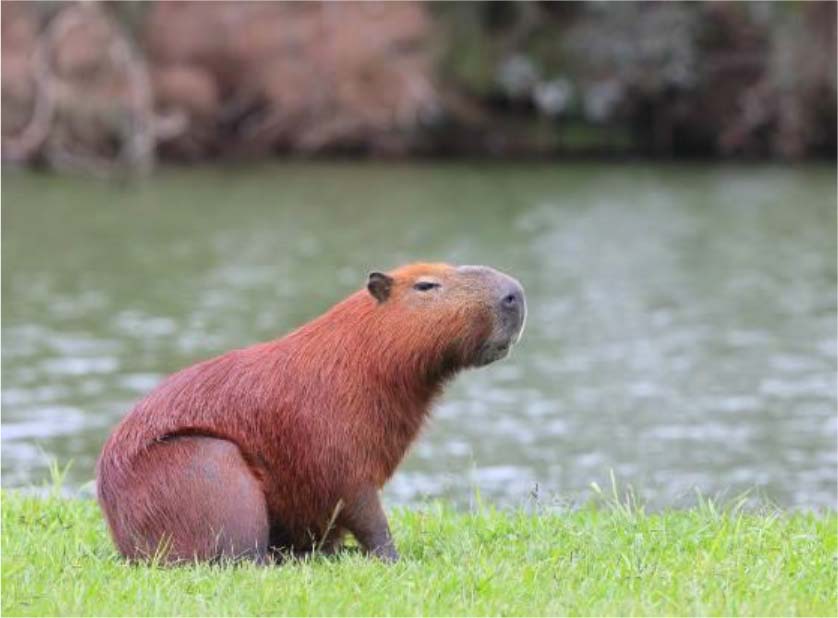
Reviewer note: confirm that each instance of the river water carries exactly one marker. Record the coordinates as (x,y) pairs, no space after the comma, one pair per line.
(682,326)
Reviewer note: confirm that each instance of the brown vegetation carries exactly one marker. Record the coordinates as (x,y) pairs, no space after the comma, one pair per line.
(110,86)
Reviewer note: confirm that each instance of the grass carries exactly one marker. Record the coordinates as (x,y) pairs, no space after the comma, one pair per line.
(609,559)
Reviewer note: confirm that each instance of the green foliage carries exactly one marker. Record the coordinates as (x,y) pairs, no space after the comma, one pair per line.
(607,559)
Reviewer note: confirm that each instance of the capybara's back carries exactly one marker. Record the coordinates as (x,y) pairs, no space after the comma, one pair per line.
(284,446)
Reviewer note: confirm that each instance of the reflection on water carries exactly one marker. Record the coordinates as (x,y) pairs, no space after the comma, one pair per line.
(682,320)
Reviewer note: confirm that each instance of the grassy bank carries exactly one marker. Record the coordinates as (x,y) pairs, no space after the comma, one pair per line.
(57,559)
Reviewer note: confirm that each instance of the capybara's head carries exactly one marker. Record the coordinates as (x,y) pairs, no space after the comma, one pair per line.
(464,316)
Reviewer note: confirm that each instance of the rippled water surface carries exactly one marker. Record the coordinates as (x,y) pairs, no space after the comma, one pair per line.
(682,327)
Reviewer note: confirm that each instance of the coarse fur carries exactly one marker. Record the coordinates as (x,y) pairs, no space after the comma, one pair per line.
(285,444)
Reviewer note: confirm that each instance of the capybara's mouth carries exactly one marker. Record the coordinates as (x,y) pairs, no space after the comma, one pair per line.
(491,352)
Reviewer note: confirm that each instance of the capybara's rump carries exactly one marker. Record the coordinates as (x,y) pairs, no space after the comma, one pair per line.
(186,498)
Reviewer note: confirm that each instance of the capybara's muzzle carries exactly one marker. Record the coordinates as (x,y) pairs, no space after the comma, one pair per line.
(509,309)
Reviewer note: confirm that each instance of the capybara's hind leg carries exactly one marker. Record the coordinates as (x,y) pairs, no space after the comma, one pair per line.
(189,498)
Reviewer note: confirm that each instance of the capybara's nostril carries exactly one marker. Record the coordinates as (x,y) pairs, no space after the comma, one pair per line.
(513,307)
(513,298)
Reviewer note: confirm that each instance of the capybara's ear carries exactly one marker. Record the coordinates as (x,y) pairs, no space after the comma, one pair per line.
(379,286)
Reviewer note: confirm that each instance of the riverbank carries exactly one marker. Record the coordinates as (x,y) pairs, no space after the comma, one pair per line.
(612,559)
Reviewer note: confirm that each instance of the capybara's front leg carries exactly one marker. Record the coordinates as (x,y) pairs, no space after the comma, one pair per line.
(364,517)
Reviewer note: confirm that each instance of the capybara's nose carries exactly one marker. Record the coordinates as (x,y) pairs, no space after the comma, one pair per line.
(512,301)
(512,304)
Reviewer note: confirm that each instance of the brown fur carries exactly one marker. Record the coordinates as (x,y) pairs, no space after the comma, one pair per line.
(286,443)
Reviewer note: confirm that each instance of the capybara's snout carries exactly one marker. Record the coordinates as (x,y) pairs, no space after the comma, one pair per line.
(512,311)
(509,309)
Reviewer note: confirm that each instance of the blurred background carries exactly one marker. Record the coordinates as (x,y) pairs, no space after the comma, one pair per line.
(180,179)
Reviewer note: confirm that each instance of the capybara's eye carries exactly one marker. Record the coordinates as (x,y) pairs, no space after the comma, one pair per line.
(424,286)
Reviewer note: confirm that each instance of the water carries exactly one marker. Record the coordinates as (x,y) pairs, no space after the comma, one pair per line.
(682,327)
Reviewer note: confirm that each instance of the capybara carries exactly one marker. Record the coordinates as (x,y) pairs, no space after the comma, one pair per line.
(282,447)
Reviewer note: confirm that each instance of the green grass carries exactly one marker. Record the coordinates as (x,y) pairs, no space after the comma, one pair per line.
(57,559)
